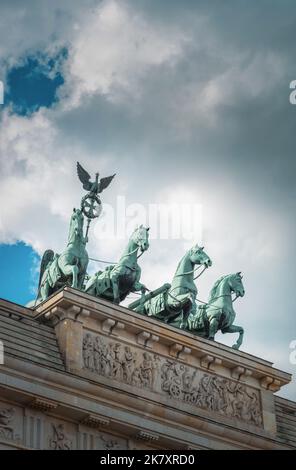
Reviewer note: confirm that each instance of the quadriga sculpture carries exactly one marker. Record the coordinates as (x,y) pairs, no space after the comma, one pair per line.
(118,280)
(218,313)
(68,268)
(174,303)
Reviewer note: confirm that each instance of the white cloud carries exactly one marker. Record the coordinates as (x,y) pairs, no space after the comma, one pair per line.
(38,181)
(33,26)
(114,48)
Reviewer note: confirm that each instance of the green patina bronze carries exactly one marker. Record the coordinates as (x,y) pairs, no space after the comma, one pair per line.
(68,268)
(118,280)
(91,205)
(174,303)
(218,313)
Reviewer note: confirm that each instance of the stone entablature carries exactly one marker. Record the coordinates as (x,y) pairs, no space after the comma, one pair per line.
(143,369)
(131,381)
(104,318)
(27,428)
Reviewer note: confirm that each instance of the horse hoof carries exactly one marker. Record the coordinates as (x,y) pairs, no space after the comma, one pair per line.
(235,346)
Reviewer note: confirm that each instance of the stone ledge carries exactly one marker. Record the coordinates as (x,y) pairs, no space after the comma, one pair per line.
(42,404)
(76,396)
(114,320)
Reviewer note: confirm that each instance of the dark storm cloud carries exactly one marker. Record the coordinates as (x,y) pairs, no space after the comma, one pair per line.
(253,134)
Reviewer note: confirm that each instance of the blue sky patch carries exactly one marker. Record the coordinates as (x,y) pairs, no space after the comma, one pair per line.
(34,83)
(18,272)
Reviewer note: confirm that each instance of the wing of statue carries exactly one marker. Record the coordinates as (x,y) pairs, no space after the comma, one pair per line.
(47,257)
(104,182)
(84,177)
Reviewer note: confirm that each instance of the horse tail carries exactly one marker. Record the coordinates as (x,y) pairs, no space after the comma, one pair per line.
(47,258)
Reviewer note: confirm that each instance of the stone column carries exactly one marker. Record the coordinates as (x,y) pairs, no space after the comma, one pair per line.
(68,325)
(269,387)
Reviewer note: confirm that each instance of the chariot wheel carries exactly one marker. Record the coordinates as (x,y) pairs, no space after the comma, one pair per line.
(91,206)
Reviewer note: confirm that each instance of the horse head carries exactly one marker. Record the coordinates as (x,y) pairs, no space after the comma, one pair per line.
(140,237)
(199,256)
(236,284)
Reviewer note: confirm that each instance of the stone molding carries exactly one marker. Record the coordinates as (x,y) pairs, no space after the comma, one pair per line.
(186,391)
(140,369)
(103,317)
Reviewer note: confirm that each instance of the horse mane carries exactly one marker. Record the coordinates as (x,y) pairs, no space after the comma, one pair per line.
(213,293)
(179,264)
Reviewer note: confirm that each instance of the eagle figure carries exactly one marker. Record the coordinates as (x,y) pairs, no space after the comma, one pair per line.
(94,187)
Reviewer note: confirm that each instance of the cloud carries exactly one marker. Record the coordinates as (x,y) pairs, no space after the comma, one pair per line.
(115,47)
(35,27)
(243,79)
(38,180)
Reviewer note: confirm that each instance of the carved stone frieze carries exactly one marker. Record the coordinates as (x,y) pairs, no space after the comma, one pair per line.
(59,439)
(211,392)
(6,428)
(119,362)
(110,444)
(196,387)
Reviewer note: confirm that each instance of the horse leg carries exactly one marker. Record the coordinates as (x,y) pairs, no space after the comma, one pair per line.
(236,329)
(71,270)
(115,287)
(82,273)
(80,280)
(75,272)
(213,328)
(188,313)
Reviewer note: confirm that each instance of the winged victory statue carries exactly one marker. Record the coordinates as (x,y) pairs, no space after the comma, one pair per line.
(91,205)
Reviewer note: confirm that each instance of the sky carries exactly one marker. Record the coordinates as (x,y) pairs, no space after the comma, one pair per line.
(188,102)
